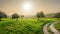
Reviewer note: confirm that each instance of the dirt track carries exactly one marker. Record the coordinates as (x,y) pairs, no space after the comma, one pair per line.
(45,29)
(53,29)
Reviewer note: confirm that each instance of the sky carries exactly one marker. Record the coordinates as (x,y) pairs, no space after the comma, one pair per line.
(29,7)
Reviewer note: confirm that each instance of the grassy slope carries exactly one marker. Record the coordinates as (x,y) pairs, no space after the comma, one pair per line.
(23,26)
(57,26)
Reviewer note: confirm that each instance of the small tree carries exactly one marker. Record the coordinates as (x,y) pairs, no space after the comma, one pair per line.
(15,16)
(2,15)
(22,16)
(40,15)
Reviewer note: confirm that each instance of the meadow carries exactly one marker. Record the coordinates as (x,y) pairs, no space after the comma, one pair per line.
(23,26)
(57,26)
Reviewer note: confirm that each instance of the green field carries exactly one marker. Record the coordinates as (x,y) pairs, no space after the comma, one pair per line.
(57,26)
(23,26)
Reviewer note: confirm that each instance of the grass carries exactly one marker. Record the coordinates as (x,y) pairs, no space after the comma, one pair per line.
(57,26)
(23,26)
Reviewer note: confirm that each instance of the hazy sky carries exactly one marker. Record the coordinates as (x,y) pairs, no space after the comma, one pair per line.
(17,6)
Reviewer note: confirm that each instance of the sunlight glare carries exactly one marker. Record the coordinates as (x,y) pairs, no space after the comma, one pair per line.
(26,6)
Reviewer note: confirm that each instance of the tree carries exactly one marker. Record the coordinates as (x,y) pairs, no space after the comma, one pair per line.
(57,15)
(22,16)
(15,16)
(40,15)
(2,15)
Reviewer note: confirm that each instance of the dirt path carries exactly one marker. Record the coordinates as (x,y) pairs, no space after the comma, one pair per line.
(53,29)
(45,29)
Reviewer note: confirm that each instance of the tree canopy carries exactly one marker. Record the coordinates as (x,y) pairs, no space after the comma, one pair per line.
(40,15)
(2,15)
(15,16)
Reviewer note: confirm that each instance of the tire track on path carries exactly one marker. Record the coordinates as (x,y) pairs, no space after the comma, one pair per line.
(53,29)
(45,29)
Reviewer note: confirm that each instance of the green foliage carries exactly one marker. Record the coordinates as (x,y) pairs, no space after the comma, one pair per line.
(23,26)
(57,15)
(2,15)
(57,26)
(40,15)
(15,16)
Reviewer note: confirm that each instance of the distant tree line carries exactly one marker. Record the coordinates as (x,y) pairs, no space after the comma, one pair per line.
(14,16)
(57,15)
(38,15)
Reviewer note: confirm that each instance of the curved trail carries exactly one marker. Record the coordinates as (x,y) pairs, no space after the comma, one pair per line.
(53,29)
(45,29)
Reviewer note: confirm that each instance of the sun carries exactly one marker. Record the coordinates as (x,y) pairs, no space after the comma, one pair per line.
(27,6)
